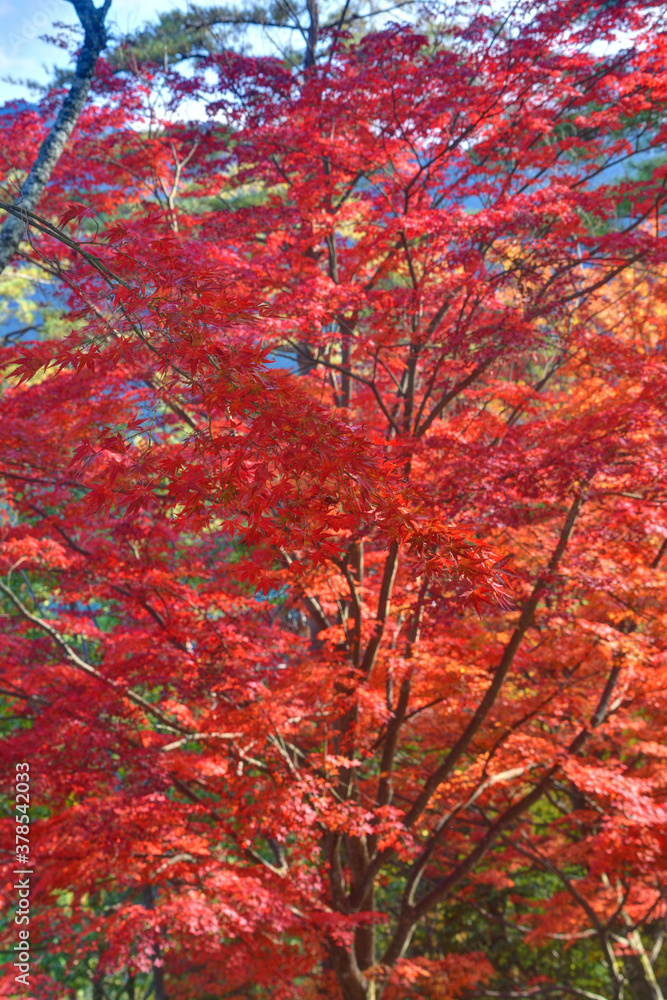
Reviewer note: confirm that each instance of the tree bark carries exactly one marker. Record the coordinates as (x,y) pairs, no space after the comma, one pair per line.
(95,39)
(353,983)
(312,33)
(159,989)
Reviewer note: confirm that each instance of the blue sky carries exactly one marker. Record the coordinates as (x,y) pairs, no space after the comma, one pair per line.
(24,56)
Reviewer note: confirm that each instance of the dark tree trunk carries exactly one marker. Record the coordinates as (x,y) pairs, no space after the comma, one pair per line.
(95,39)
(312,33)
(159,990)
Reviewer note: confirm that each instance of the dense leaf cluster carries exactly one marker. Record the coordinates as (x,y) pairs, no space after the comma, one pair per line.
(333,536)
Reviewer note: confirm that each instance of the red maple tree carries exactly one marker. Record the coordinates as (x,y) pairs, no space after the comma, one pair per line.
(301,655)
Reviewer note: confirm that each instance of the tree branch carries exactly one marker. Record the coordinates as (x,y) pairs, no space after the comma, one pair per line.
(95,40)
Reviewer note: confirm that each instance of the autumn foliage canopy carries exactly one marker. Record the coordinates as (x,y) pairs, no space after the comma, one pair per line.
(332,493)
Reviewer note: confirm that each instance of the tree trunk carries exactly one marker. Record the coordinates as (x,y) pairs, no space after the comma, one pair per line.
(312,33)
(95,39)
(159,989)
(353,983)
